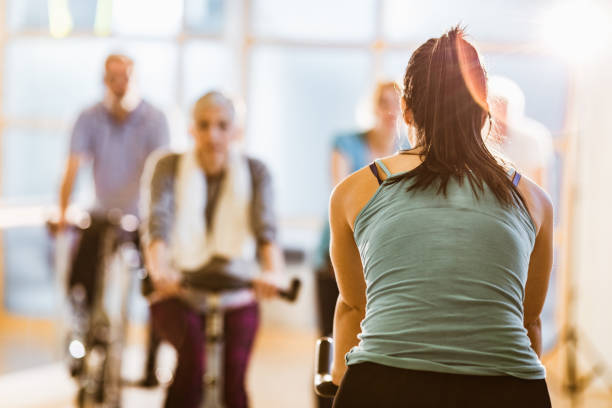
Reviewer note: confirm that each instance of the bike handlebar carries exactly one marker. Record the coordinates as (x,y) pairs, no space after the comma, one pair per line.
(216,277)
(323,384)
(83,220)
(216,281)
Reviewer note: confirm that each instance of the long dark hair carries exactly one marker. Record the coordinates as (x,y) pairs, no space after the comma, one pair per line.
(445,88)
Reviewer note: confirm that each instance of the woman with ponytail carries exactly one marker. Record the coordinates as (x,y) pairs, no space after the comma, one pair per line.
(442,255)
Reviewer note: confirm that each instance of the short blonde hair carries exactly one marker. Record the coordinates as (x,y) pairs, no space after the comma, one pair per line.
(382,86)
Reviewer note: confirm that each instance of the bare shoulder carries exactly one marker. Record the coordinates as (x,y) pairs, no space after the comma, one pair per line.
(538,201)
(352,194)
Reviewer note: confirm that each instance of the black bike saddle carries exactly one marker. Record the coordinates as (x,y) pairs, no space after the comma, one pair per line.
(217,275)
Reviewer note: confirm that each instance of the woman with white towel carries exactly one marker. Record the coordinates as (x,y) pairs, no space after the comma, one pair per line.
(210,201)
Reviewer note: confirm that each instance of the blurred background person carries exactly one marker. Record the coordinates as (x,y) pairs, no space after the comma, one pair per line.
(117,134)
(524,141)
(210,201)
(350,152)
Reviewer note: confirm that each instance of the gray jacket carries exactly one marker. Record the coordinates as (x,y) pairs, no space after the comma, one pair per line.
(159,216)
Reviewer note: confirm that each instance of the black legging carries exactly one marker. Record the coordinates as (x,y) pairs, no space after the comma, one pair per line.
(86,268)
(374,385)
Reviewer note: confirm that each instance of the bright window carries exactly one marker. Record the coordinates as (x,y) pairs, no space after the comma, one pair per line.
(298,100)
(304,69)
(322,20)
(419,20)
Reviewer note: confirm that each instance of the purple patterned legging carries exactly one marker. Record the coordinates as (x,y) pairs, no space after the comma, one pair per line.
(177,323)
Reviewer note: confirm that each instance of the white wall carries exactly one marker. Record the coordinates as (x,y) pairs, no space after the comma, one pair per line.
(593,218)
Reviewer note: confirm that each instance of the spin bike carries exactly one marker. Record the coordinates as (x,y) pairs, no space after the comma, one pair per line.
(98,314)
(324,387)
(214,280)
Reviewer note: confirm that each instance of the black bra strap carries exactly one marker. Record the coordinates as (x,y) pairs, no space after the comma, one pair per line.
(375,172)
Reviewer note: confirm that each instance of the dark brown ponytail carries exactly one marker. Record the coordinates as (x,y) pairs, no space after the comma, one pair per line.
(445,88)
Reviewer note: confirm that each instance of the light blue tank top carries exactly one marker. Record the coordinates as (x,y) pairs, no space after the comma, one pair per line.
(445,281)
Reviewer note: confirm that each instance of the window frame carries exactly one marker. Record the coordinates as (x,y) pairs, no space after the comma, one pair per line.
(241,40)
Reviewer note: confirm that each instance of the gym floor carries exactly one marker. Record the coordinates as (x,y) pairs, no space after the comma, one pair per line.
(280,374)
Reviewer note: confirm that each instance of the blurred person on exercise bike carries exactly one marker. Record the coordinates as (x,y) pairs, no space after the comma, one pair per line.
(117,135)
(208,203)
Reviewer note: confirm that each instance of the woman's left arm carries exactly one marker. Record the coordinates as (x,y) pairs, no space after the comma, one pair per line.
(264,225)
(350,307)
(540,265)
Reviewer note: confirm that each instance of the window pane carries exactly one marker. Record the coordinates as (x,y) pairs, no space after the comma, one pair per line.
(54,89)
(155,64)
(340,20)
(27,14)
(83,13)
(204,16)
(23,183)
(147,17)
(418,21)
(50,87)
(298,100)
(29,286)
(394,64)
(34,14)
(21,148)
(207,66)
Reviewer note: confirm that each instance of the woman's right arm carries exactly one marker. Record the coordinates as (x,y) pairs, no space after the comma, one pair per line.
(350,306)
(540,264)
(157,214)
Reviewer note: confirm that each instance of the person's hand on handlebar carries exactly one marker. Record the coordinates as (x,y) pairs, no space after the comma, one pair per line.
(266,285)
(166,284)
(166,280)
(271,279)
(56,225)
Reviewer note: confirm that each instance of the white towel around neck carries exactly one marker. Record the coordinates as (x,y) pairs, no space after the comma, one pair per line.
(231,234)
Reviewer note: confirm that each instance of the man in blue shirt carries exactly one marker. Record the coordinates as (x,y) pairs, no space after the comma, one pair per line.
(117,135)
